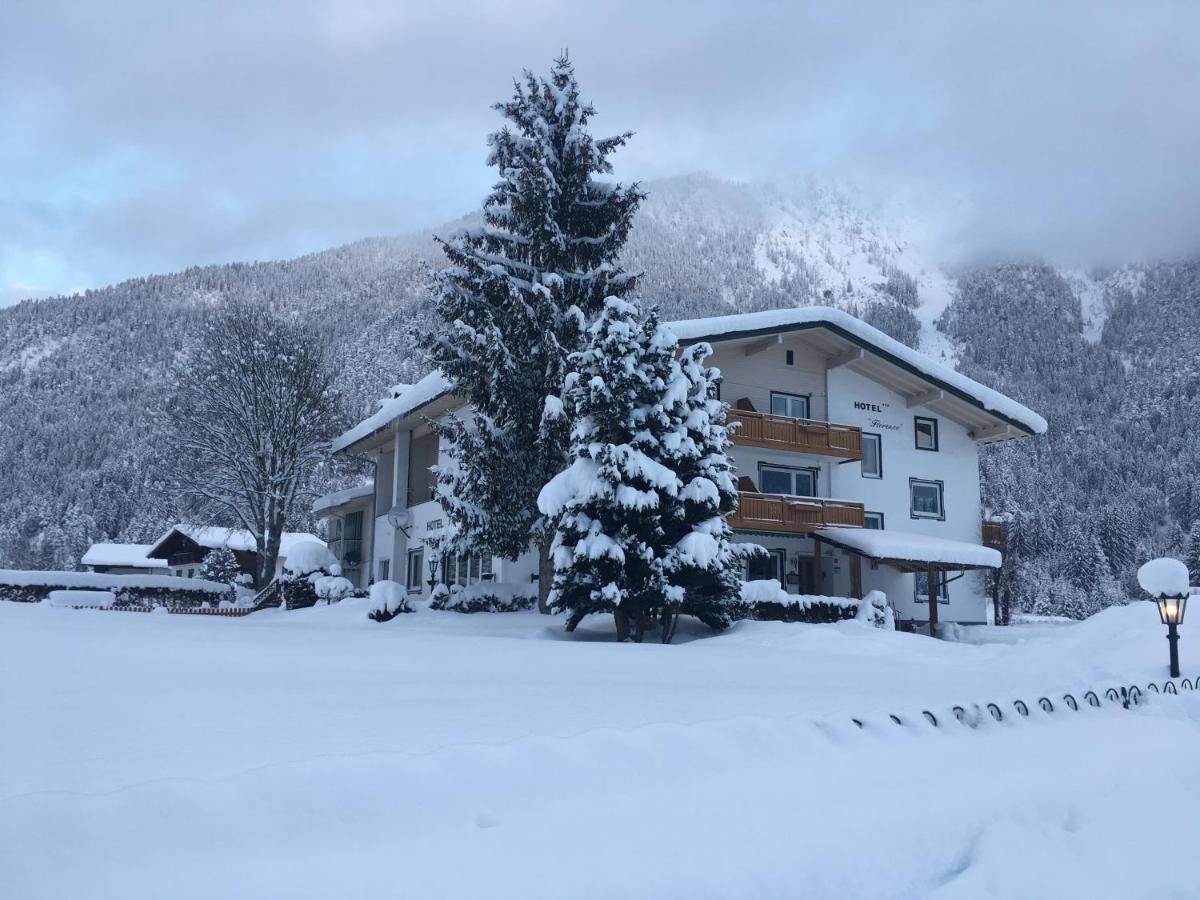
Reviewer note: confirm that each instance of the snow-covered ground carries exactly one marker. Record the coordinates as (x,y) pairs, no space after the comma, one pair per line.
(316,754)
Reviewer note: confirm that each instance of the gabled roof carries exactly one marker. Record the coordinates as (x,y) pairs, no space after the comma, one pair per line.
(130,556)
(879,356)
(852,332)
(214,537)
(407,401)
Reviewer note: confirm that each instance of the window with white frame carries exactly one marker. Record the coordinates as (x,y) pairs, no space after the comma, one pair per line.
(926,500)
(385,569)
(794,405)
(787,480)
(873,520)
(872,461)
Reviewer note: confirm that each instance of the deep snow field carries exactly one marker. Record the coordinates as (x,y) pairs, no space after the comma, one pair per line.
(317,754)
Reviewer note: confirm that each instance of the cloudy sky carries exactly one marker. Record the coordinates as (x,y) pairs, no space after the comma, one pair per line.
(140,137)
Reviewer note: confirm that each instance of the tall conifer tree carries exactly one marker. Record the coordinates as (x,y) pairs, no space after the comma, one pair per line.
(516,300)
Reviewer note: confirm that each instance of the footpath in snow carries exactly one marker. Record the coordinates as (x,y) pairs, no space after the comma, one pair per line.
(315,754)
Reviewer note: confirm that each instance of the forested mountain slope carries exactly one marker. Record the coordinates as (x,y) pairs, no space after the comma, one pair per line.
(1107,358)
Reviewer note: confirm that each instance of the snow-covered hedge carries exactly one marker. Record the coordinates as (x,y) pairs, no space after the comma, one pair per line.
(388,600)
(77,598)
(23,586)
(767,601)
(488,597)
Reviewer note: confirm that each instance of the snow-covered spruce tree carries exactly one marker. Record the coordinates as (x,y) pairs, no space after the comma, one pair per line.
(250,417)
(638,509)
(220,565)
(515,301)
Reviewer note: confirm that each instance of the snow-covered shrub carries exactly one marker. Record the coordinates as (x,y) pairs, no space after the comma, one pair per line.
(307,557)
(331,588)
(767,601)
(220,565)
(388,600)
(873,609)
(481,598)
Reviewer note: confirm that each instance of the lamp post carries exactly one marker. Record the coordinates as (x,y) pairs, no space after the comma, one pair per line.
(1167,581)
(433,567)
(1171,609)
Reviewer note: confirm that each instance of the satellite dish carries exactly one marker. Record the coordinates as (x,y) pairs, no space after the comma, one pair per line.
(397,517)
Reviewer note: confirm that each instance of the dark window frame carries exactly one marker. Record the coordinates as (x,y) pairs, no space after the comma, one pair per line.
(790,357)
(941,487)
(879,446)
(780,559)
(869,512)
(917,433)
(814,470)
(417,554)
(807,398)
(921,594)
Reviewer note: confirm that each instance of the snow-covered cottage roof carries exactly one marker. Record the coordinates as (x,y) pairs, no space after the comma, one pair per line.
(989,414)
(214,536)
(906,547)
(407,401)
(338,498)
(853,333)
(131,556)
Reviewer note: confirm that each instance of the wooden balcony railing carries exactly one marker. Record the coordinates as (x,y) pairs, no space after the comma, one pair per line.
(793,515)
(798,435)
(993,535)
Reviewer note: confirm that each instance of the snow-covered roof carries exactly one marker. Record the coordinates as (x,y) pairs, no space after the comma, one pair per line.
(407,400)
(126,555)
(337,498)
(214,536)
(908,547)
(723,328)
(859,332)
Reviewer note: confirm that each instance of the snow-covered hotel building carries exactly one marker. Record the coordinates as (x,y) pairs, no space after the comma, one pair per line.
(857,460)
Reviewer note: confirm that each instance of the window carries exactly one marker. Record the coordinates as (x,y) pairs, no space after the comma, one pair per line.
(927,433)
(761,567)
(466,568)
(925,499)
(921,588)
(872,461)
(793,405)
(191,573)
(385,569)
(422,456)
(781,480)
(416,569)
(791,357)
(873,520)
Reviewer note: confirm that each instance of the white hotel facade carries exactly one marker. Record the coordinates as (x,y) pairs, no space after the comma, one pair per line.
(857,462)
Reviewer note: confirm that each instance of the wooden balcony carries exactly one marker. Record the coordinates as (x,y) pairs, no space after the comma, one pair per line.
(793,515)
(993,535)
(798,435)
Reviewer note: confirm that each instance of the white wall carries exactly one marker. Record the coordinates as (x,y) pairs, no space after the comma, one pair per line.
(955,464)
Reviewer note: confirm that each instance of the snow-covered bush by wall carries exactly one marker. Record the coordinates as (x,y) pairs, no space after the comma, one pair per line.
(311,574)
(388,599)
(767,601)
(307,557)
(874,609)
(488,597)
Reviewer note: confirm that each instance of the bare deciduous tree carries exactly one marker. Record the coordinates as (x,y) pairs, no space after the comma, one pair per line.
(251,415)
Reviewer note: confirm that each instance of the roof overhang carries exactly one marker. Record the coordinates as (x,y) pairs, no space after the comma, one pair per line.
(911,552)
(843,347)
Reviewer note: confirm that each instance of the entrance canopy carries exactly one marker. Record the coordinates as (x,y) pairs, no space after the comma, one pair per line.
(910,552)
